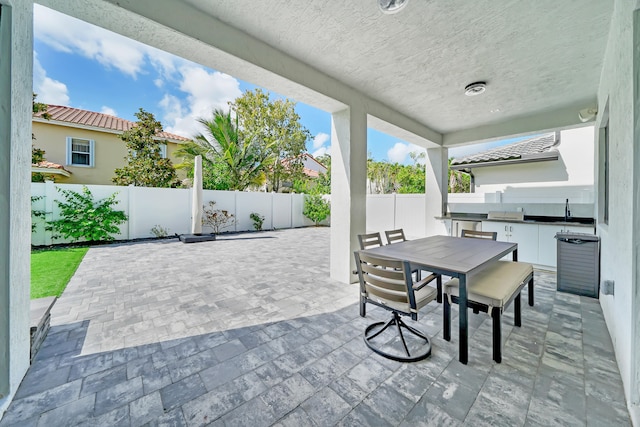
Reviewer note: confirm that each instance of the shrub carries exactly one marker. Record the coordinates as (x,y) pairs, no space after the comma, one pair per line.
(82,217)
(217,219)
(257,219)
(316,208)
(159,231)
(36,213)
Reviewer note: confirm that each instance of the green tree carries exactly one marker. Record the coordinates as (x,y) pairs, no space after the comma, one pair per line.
(316,208)
(323,182)
(275,127)
(214,170)
(239,158)
(37,154)
(459,182)
(411,179)
(145,166)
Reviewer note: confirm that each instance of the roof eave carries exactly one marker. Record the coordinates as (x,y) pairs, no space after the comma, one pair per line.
(529,158)
(50,171)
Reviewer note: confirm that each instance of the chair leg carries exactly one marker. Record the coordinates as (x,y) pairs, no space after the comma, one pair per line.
(363,307)
(439,287)
(497,335)
(398,323)
(530,286)
(446,310)
(397,320)
(517,311)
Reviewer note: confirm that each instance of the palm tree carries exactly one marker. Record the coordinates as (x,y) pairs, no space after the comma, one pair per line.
(242,160)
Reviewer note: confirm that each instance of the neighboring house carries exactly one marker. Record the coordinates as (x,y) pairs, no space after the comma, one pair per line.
(564,159)
(312,167)
(84,147)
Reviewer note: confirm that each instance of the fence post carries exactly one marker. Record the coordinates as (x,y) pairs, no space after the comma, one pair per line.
(235,210)
(131,210)
(49,197)
(272,210)
(291,210)
(395,210)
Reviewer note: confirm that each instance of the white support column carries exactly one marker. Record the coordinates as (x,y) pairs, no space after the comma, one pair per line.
(16,45)
(436,189)
(348,189)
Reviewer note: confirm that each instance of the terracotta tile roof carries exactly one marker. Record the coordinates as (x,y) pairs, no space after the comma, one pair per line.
(91,118)
(519,150)
(311,173)
(49,165)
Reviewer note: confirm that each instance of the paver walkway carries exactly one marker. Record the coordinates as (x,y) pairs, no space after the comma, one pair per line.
(249,330)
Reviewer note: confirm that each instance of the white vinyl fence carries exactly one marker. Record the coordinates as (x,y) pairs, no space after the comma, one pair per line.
(170,208)
(392,211)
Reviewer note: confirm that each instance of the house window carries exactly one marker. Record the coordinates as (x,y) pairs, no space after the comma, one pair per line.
(163,151)
(80,152)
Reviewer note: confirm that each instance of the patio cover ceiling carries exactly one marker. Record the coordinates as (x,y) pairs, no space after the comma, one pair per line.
(541,59)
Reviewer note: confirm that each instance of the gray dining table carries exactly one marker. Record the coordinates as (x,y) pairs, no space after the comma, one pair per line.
(450,256)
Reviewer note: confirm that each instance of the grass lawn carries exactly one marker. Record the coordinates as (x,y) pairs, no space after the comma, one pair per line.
(51,270)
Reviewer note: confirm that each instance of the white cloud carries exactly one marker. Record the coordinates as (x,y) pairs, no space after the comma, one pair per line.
(108,110)
(71,35)
(321,151)
(319,140)
(49,91)
(399,152)
(205,91)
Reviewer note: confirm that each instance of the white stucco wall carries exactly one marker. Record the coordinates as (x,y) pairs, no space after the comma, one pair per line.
(574,167)
(14,194)
(618,237)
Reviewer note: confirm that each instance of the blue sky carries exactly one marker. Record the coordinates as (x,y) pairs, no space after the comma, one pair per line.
(83,66)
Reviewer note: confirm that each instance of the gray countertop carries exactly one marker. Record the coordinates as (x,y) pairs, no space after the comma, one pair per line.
(532,219)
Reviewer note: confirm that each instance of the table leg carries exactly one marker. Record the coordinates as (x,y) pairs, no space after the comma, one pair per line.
(463,320)
(515,255)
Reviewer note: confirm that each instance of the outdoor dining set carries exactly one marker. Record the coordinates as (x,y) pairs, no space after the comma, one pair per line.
(400,277)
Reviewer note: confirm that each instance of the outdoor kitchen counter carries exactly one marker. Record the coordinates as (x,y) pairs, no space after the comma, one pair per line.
(528,219)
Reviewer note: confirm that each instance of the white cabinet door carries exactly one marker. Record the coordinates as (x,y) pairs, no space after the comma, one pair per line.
(547,245)
(499,227)
(526,236)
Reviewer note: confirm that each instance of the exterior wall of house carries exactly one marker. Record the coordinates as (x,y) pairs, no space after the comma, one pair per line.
(313,165)
(619,96)
(574,167)
(16,45)
(110,152)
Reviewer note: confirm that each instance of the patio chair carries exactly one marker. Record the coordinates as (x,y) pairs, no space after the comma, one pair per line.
(389,284)
(480,234)
(396,236)
(369,241)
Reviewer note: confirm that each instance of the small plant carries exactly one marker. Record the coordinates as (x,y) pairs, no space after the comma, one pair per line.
(159,231)
(217,219)
(257,219)
(82,217)
(316,208)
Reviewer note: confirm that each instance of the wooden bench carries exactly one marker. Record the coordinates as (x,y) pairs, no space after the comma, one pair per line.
(491,291)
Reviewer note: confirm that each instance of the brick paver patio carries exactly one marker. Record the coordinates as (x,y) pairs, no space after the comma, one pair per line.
(250,331)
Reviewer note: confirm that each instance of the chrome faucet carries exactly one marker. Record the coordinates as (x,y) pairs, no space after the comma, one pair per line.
(567,212)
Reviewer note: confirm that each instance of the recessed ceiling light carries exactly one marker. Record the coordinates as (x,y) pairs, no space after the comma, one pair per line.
(391,6)
(474,89)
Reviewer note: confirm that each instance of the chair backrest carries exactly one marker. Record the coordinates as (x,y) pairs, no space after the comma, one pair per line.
(368,241)
(480,234)
(395,236)
(385,280)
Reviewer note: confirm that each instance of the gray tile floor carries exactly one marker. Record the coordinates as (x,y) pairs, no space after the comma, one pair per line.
(249,330)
